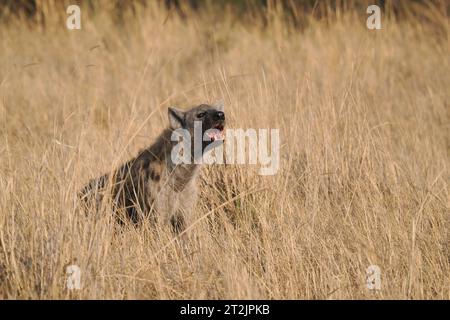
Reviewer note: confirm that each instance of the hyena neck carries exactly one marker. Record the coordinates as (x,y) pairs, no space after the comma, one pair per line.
(180,175)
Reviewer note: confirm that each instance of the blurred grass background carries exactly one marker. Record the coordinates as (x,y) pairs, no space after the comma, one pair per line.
(364,122)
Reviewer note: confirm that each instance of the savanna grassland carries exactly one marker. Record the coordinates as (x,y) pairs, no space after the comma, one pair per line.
(364,120)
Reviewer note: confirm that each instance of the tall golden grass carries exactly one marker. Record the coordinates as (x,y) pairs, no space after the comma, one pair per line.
(364,179)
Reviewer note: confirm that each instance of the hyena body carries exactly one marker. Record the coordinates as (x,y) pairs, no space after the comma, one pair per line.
(151,185)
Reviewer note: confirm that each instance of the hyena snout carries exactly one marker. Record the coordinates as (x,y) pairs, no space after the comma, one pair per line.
(218,120)
(219,116)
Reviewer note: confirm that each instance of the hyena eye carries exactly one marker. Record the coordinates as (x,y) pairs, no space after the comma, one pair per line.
(201,115)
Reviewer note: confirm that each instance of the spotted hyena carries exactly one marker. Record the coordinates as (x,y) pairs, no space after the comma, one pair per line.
(152,185)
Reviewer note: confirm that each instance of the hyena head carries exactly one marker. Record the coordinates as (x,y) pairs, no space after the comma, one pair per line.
(210,118)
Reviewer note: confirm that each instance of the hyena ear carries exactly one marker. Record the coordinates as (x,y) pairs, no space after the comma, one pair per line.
(219,105)
(176,118)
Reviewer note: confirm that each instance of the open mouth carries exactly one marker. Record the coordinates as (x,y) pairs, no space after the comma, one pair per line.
(216,133)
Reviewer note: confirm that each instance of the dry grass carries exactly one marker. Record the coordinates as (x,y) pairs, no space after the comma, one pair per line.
(364,178)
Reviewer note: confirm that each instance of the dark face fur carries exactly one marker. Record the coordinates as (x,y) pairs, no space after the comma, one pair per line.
(211,118)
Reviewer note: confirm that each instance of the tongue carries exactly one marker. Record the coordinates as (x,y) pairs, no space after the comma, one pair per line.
(215,135)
